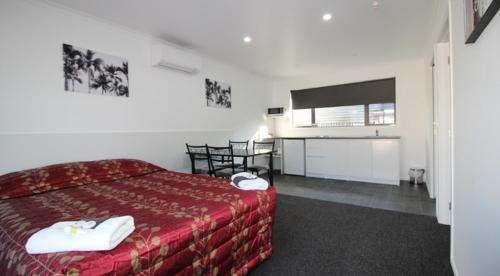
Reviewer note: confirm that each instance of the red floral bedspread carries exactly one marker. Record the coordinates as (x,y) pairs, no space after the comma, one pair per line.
(185,224)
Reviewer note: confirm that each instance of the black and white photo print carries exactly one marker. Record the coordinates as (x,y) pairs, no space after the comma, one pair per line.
(218,94)
(87,71)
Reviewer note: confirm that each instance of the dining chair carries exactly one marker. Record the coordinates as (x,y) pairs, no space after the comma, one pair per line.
(257,168)
(239,145)
(218,166)
(198,154)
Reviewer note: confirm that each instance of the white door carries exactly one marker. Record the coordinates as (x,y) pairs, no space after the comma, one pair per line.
(442,133)
(294,156)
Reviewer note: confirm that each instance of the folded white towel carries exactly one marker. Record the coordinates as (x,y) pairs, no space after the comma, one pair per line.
(244,174)
(81,236)
(247,181)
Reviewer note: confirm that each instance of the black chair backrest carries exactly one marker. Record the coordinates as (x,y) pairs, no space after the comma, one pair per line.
(239,145)
(262,146)
(215,154)
(196,153)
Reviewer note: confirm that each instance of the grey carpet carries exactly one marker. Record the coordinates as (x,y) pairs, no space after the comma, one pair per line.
(313,237)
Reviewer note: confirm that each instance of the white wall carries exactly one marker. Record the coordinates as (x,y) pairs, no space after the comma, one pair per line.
(412,108)
(40,123)
(476,190)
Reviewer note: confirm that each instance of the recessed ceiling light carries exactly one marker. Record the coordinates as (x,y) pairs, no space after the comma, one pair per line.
(327,17)
(375,4)
(247,39)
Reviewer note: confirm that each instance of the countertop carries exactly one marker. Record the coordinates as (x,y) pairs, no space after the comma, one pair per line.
(339,137)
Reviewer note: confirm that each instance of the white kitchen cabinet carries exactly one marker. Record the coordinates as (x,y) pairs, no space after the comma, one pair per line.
(316,159)
(294,156)
(360,159)
(326,158)
(337,154)
(368,160)
(385,160)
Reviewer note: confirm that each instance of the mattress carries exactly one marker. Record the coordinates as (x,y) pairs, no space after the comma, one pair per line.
(185,224)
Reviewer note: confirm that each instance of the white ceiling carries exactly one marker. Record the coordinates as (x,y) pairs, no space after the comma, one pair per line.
(288,36)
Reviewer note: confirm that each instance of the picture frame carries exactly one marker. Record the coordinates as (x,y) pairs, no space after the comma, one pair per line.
(92,72)
(218,94)
(478,14)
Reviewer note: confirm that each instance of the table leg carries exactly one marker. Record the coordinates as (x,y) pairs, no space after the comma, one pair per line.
(245,164)
(271,169)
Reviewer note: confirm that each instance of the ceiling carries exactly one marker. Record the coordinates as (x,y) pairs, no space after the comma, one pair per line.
(289,37)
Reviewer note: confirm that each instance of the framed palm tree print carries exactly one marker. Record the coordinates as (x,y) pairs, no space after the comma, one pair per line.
(91,72)
(478,14)
(218,94)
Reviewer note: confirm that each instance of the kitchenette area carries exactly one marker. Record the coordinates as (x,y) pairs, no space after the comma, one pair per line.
(356,143)
(373,159)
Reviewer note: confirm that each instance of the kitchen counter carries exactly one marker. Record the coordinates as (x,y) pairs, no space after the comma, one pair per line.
(339,137)
(373,159)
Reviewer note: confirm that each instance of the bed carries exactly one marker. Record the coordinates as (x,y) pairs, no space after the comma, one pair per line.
(185,224)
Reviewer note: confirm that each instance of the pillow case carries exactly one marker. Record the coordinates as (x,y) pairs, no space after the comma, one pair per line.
(55,177)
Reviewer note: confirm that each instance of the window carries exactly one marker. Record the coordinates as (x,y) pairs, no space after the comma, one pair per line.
(345,116)
(345,105)
(302,117)
(340,116)
(381,114)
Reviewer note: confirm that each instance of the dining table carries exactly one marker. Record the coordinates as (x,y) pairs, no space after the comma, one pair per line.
(245,154)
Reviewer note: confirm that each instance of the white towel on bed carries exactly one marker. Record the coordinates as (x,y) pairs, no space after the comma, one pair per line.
(247,181)
(81,235)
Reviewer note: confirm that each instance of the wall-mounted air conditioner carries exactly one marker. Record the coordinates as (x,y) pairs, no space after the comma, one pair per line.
(167,56)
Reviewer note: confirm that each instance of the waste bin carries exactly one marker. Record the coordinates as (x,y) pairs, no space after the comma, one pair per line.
(416,175)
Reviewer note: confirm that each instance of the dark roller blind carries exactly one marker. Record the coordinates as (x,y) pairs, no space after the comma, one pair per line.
(360,93)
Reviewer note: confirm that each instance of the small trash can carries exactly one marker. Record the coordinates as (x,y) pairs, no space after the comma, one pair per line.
(416,176)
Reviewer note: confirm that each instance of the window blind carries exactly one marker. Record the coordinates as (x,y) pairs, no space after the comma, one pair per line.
(360,93)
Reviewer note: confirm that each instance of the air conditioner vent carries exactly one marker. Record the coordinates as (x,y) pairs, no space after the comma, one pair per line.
(170,57)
